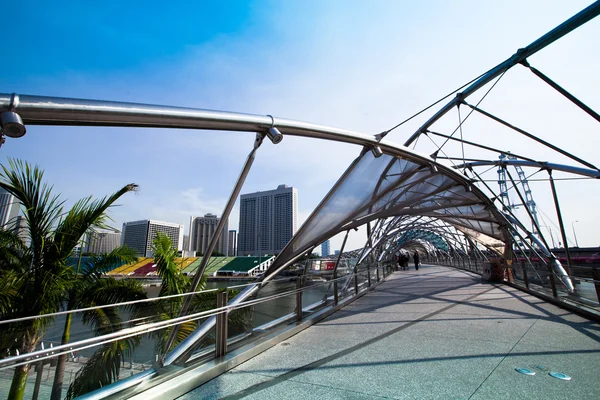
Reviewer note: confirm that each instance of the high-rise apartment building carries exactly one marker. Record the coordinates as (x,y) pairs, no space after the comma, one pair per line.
(325,248)
(232,243)
(268,220)
(101,242)
(140,234)
(202,230)
(9,209)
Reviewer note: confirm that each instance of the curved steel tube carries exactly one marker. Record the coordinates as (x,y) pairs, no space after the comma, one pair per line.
(43,110)
(592,173)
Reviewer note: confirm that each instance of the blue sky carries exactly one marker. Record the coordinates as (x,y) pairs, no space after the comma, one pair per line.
(360,65)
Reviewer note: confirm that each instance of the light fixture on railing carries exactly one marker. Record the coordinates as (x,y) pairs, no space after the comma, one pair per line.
(12,124)
(376,150)
(274,135)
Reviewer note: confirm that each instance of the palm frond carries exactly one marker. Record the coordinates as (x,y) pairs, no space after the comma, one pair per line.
(162,336)
(86,213)
(41,208)
(102,368)
(173,281)
(14,254)
(10,284)
(110,291)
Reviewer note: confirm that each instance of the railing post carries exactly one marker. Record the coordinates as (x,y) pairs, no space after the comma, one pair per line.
(552,282)
(368,274)
(299,299)
(356,279)
(525,278)
(39,368)
(596,278)
(335,288)
(221,326)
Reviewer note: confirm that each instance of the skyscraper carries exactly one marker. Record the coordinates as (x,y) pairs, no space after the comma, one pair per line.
(202,230)
(186,242)
(9,209)
(101,242)
(325,249)
(232,243)
(140,234)
(20,228)
(268,220)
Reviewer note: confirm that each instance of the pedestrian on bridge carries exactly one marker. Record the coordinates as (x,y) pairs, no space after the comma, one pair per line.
(416,260)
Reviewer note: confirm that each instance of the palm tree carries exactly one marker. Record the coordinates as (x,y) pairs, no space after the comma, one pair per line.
(84,293)
(175,282)
(14,261)
(45,275)
(104,365)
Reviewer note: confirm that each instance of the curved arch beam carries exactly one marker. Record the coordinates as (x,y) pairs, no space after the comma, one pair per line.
(592,173)
(43,110)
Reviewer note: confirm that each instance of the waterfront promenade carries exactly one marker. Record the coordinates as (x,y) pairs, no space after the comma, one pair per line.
(436,333)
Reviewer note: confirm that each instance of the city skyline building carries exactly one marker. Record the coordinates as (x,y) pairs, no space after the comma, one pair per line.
(202,230)
(9,209)
(232,243)
(140,234)
(20,228)
(101,242)
(268,220)
(186,242)
(326,248)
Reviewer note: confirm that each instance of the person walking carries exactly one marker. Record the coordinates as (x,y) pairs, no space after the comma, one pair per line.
(416,260)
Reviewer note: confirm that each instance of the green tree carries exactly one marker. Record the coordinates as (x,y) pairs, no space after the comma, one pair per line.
(84,293)
(45,276)
(175,282)
(103,367)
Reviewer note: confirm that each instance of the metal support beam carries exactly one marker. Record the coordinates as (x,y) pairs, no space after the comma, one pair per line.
(531,136)
(561,224)
(213,242)
(562,91)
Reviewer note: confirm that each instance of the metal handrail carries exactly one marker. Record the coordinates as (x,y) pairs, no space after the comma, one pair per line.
(44,354)
(124,303)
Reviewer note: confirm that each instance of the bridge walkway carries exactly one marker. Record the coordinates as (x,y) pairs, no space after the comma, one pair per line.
(436,333)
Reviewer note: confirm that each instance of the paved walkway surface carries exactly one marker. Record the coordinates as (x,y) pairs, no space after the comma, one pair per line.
(436,333)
